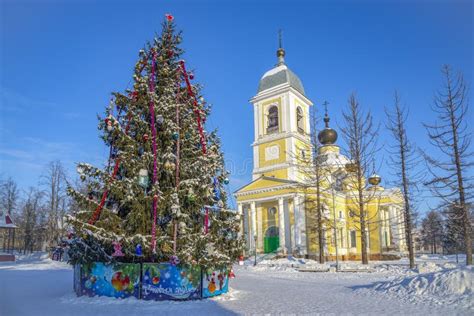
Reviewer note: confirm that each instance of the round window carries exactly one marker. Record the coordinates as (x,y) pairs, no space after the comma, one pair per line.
(272,211)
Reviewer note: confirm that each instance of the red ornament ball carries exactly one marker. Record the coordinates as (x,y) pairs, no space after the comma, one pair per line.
(169,17)
(145,137)
(191,76)
(155,197)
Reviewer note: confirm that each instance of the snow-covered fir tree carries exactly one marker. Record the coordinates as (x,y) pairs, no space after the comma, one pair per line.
(176,165)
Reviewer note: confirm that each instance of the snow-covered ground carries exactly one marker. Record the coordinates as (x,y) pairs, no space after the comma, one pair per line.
(35,285)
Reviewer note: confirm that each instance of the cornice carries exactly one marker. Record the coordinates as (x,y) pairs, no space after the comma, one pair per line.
(280,89)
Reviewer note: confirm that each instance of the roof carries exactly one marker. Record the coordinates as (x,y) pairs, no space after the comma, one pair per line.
(278,75)
(265,182)
(6,220)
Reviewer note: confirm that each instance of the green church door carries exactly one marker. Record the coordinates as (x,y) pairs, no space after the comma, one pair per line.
(271,241)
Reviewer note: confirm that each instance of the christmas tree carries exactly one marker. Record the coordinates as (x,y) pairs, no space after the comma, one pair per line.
(161,197)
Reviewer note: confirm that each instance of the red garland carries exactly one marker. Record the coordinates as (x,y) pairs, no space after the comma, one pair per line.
(151,87)
(99,208)
(206,221)
(196,106)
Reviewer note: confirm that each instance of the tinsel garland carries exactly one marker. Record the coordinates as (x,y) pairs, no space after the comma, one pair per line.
(99,208)
(196,106)
(151,87)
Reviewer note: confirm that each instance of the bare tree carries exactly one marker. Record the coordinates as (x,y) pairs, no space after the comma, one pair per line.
(9,195)
(403,161)
(449,180)
(314,172)
(54,182)
(8,199)
(360,134)
(28,220)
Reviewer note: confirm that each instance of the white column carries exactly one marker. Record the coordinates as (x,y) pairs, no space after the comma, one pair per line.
(288,238)
(242,222)
(300,224)
(246,227)
(281,225)
(259,229)
(296,213)
(254,225)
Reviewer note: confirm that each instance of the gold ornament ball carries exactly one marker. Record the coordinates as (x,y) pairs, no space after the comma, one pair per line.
(169,166)
(375,179)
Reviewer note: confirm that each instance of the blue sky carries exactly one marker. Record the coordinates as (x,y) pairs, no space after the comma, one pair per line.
(60,60)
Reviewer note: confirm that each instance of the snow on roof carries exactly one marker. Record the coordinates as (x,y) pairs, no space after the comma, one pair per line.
(274,70)
(6,220)
(334,159)
(278,75)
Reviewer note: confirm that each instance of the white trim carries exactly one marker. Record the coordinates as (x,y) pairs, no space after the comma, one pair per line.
(268,199)
(277,136)
(256,122)
(264,190)
(271,168)
(282,88)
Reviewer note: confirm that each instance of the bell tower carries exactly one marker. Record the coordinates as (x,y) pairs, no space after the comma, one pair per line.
(281,123)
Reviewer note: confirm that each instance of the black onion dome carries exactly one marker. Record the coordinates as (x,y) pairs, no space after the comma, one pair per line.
(327,136)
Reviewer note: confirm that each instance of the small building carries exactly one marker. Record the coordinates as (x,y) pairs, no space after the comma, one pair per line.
(7,231)
(278,207)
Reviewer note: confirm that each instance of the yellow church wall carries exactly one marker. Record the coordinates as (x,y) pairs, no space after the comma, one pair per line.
(348,224)
(311,224)
(267,220)
(262,162)
(299,146)
(373,227)
(328,149)
(278,173)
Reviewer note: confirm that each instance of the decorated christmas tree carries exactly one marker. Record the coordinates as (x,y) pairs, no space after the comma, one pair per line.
(162,196)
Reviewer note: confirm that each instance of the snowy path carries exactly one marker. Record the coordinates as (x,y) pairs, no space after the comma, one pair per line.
(321,293)
(45,288)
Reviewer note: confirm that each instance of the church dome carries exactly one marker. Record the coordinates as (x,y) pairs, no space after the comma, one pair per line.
(280,74)
(327,136)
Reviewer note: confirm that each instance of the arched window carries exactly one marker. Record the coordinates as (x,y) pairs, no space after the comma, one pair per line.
(299,120)
(272,211)
(272,119)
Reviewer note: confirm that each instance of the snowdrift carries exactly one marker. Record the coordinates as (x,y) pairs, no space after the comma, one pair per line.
(441,287)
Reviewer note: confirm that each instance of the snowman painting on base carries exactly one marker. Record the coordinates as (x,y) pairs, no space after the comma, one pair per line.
(215,282)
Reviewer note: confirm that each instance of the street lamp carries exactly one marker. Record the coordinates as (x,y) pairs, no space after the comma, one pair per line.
(255,245)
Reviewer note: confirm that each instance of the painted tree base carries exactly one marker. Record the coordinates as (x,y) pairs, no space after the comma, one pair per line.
(149,281)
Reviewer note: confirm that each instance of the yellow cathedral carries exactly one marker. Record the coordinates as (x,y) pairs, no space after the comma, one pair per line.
(277,209)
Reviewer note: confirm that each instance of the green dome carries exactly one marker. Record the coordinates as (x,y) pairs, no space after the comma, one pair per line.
(281,74)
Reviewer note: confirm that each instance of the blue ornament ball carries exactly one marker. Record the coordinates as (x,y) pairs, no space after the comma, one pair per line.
(138,250)
(226,181)
(175,136)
